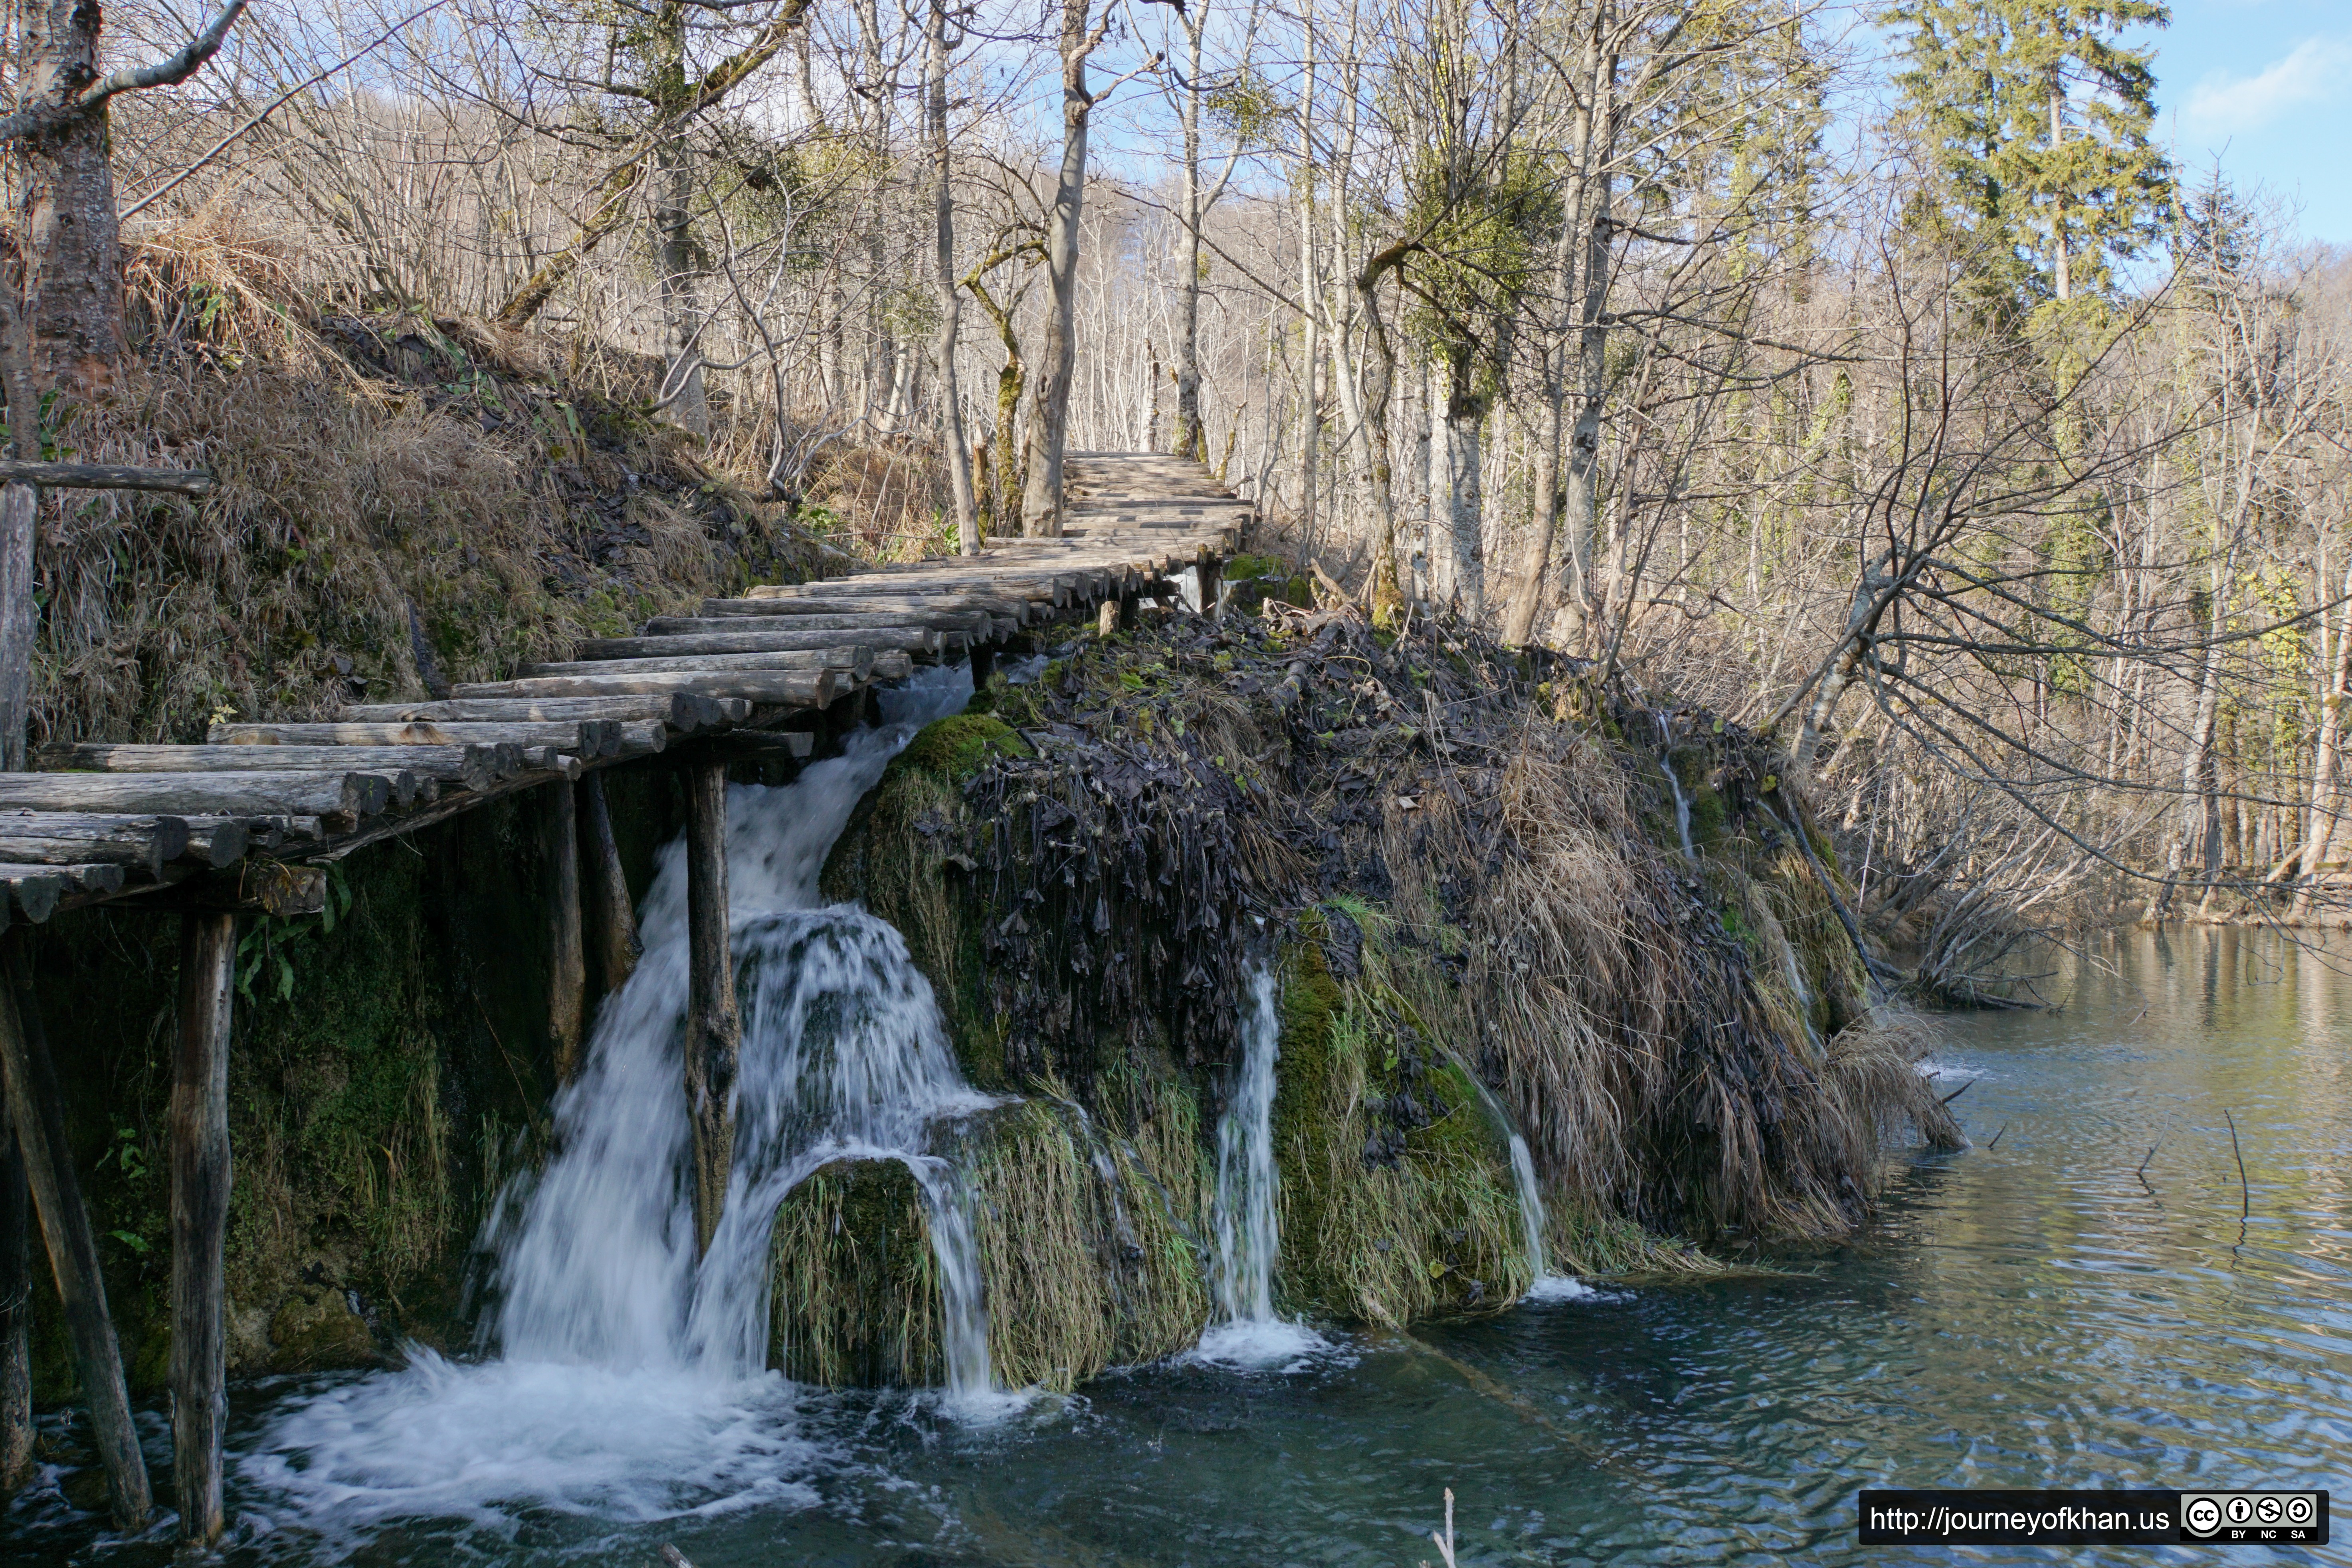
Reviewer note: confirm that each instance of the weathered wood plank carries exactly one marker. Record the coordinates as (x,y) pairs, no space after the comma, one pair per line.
(790,688)
(856,661)
(714,1030)
(585,738)
(973,623)
(867,604)
(37,1112)
(200,1190)
(684,710)
(33,890)
(474,767)
(105,477)
(145,844)
(906,640)
(289,794)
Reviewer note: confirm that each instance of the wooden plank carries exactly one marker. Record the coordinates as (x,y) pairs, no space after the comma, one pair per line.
(256,887)
(567,958)
(145,844)
(792,689)
(292,794)
(780,639)
(855,661)
(686,711)
(474,767)
(200,1188)
(905,602)
(609,913)
(714,1030)
(1038,590)
(37,1112)
(34,890)
(585,738)
(975,622)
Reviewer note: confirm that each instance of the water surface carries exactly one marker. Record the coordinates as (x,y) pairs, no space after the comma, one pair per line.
(2036,1312)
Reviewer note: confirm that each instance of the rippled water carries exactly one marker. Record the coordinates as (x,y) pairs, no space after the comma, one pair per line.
(2029,1312)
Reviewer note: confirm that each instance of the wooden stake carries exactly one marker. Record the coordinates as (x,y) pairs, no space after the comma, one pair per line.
(200,1190)
(567,963)
(983,665)
(1130,606)
(1107,617)
(38,1113)
(16,1316)
(611,915)
(714,1031)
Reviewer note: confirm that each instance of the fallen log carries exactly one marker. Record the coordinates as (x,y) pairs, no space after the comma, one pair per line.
(105,477)
(686,711)
(792,689)
(474,767)
(346,796)
(142,843)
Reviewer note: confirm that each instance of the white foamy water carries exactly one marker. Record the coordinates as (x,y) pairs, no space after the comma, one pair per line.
(1246,1214)
(630,1379)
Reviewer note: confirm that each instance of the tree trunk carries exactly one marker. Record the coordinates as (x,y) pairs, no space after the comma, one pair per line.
(681,259)
(201,1176)
(1040,501)
(1191,440)
(1310,404)
(66,226)
(2320,819)
(1465,416)
(944,278)
(1528,593)
(1437,552)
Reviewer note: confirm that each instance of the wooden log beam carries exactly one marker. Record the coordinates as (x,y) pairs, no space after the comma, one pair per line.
(905,601)
(37,1111)
(349,795)
(714,1031)
(789,639)
(200,1191)
(590,738)
(34,890)
(105,477)
(973,623)
(142,844)
(786,689)
(473,766)
(856,661)
(684,710)
(608,912)
(567,958)
(15,1315)
(257,887)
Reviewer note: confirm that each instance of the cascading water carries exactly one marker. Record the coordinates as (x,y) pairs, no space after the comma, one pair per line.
(629,1377)
(1248,1228)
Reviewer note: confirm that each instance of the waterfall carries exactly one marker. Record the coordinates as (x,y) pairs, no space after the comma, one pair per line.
(627,1376)
(1681,805)
(1246,1213)
(1544,1285)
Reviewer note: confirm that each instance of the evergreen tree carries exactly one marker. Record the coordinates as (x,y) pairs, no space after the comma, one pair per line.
(2040,118)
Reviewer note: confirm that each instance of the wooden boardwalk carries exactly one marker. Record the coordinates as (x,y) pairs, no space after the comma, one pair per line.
(248,821)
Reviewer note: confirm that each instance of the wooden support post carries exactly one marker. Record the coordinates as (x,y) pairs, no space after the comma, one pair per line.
(1107,617)
(1212,586)
(983,665)
(37,1112)
(1130,611)
(611,915)
(16,1316)
(714,1031)
(200,1190)
(567,963)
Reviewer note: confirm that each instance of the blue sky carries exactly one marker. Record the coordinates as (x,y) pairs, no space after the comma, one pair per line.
(2266,87)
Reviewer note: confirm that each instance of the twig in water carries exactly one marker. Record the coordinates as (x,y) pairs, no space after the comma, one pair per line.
(673,1557)
(1996,1138)
(2246,1193)
(1957,1092)
(2142,1172)
(1445,1542)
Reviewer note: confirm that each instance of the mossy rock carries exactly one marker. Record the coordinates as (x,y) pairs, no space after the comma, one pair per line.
(1087,1260)
(316,1331)
(951,749)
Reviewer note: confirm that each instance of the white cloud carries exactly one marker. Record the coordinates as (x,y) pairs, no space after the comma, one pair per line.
(2316,71)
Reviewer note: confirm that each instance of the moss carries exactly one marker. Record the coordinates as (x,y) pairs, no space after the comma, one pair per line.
(951,749)
(855,1295)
